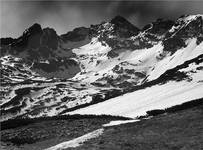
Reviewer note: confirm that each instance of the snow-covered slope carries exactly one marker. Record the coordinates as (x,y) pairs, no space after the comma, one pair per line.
(189,52)
(139,102)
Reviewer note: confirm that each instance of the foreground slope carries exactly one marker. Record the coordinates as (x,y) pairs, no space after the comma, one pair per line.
(180,130)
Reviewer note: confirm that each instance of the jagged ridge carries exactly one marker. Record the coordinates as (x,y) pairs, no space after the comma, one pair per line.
(90,65)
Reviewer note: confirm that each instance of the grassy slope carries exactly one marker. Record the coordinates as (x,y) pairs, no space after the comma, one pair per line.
(182,130)
(179,129)
(40,133)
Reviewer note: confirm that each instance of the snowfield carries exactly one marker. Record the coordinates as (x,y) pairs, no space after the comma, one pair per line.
(139,102)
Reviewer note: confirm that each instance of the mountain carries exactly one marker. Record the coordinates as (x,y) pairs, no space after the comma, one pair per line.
(109,68)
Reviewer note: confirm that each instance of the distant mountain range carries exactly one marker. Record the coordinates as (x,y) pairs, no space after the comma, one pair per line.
(45,74)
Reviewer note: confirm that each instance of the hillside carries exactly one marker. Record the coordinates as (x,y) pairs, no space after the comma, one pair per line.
(181,130)
(178,127)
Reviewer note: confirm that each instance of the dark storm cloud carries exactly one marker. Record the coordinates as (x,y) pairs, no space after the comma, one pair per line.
(66,15)
(142,12)
(62,15)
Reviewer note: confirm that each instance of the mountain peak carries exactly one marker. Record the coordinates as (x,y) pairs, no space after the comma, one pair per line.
(124,26)
(188,18)
(35,28)
(118,19)
(160,26)
(187,26)
(29,38)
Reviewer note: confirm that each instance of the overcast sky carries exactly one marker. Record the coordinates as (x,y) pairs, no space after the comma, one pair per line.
(64,16)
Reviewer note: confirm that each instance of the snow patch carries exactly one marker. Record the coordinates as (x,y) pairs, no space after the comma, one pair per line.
(119,122)
(77,141)
(94,47)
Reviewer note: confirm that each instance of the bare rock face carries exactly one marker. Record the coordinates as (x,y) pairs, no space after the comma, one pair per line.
(7,41)
(78,34)
(40,49)
(49,38)
(185,27)
(29,39)
(159,27)
(124,28)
